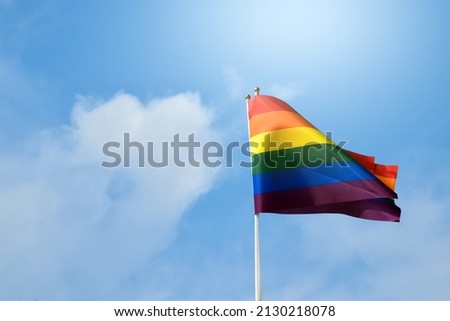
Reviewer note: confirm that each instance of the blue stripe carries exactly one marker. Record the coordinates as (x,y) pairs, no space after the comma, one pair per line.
(309,176)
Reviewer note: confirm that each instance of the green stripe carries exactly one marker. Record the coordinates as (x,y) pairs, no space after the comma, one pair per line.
(313,155)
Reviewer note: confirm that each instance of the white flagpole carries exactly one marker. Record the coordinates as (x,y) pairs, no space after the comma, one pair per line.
(258,292)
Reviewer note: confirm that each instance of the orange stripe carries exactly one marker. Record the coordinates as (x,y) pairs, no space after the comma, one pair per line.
(276,120)
(388,181)
(385,173)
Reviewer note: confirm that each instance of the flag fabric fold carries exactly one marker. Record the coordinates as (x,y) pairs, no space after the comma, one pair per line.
(298,170)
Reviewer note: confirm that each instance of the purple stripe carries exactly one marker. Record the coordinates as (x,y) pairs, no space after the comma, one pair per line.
(371,209)
(289,200)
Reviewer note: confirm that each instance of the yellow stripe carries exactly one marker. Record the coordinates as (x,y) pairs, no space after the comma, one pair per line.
(286,138)
(276,120)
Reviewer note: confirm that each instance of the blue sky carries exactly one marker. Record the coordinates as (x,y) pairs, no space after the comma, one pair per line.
(74,75)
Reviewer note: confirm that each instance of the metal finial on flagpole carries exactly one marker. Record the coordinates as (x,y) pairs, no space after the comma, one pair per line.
(256,90)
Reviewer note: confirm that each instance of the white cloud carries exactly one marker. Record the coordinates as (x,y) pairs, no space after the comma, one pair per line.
(71,229)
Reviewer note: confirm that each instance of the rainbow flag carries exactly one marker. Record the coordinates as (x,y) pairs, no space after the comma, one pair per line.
(298,170)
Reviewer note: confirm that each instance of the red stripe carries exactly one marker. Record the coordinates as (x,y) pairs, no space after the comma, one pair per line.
(263,104)
(386,170)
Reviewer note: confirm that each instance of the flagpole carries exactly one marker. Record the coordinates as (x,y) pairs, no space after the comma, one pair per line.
(258,292)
